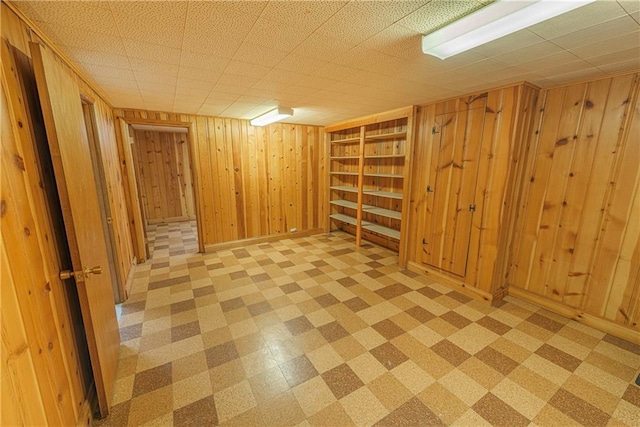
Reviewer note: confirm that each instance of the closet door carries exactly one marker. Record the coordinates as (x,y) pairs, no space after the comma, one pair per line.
(451,196)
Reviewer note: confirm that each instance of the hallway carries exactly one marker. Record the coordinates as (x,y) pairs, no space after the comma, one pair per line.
(314,331)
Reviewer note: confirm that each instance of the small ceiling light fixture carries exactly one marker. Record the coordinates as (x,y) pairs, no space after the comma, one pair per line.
(272,116)
(496,20)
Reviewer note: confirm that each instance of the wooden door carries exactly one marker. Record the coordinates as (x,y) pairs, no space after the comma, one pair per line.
(62,109)
(450,198)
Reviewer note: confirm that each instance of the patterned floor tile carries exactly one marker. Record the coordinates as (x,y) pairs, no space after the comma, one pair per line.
(311,331)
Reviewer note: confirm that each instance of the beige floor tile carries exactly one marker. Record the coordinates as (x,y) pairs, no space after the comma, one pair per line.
(363,407)
(519,398)
(234,400)
(313,396)
(275,333)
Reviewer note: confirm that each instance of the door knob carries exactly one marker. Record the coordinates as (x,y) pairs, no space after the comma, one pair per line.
(93,270)
(68,274)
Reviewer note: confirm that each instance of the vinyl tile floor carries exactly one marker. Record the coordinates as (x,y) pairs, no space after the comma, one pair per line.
(314,331)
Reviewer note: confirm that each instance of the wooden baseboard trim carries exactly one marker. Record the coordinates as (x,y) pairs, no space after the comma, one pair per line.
(255,240)
(461,287)
(604,325)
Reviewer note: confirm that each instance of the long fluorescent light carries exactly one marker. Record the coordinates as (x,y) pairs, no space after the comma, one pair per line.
(272,116)
(492,22)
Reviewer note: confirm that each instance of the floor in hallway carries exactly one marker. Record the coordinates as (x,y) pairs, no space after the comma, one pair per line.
(311,331)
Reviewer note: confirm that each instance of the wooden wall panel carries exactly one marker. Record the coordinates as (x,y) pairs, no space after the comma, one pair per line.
(488,130)
(252,181)
(578,224)
(45,369)
(19,34)
(164,170)
(38,340)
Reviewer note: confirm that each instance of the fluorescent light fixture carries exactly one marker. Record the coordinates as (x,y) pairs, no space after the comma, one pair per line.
(272,116)
(492,22)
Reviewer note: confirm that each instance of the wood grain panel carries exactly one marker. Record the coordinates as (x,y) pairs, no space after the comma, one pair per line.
(467,152)
(164,169)
(577,230)
(40,344)
(252,181)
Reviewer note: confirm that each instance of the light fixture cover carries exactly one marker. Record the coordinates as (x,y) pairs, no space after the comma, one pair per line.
(492,22)
(272,116)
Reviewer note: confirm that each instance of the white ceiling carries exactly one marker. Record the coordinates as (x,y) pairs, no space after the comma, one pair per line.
(329,60)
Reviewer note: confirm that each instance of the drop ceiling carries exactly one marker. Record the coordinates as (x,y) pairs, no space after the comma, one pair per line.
(329,60)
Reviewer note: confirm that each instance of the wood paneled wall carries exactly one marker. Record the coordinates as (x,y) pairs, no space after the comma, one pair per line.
(164,170)
(253,181)
(577,242)
(467,151)
(45,371)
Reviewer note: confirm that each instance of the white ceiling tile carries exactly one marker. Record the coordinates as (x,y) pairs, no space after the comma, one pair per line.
(221,97)
(213,46)
(204,61)
(576,75)
(614,57)
(117,82)
(212,109)
(75,37)
(392,10)
(98,58)
(305,14)
(436,14)
(199,74)
(528,54)
(255,54)
(512,42)
(605,31)
(108,72)
(630,6)
(151,51)
(231,89)
(618,67)
(245,69)
(238,81)
(276,35)
(396,40)
(583,17)
(152,67)
(300,64)
(216,19)
(148,87)
(182,106)
(322,47)
(161,23)
(353,26)
(617,44)
(86,16)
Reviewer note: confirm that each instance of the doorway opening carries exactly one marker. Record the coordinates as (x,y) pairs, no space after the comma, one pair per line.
(165,180)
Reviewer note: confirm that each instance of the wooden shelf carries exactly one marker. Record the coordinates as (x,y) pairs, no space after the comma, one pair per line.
(384,136)
(386,156)
(383,175)
(346,140)
(384,151)
(344,188)
(381,229)
(389,213)
(344,218)
(343,173)
(345,203)
(387,194)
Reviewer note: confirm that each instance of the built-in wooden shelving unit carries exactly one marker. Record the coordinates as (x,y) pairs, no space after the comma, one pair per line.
(368,171)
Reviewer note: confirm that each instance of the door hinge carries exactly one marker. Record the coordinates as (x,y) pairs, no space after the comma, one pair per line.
(433,130)
(472,208)
(429,189)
